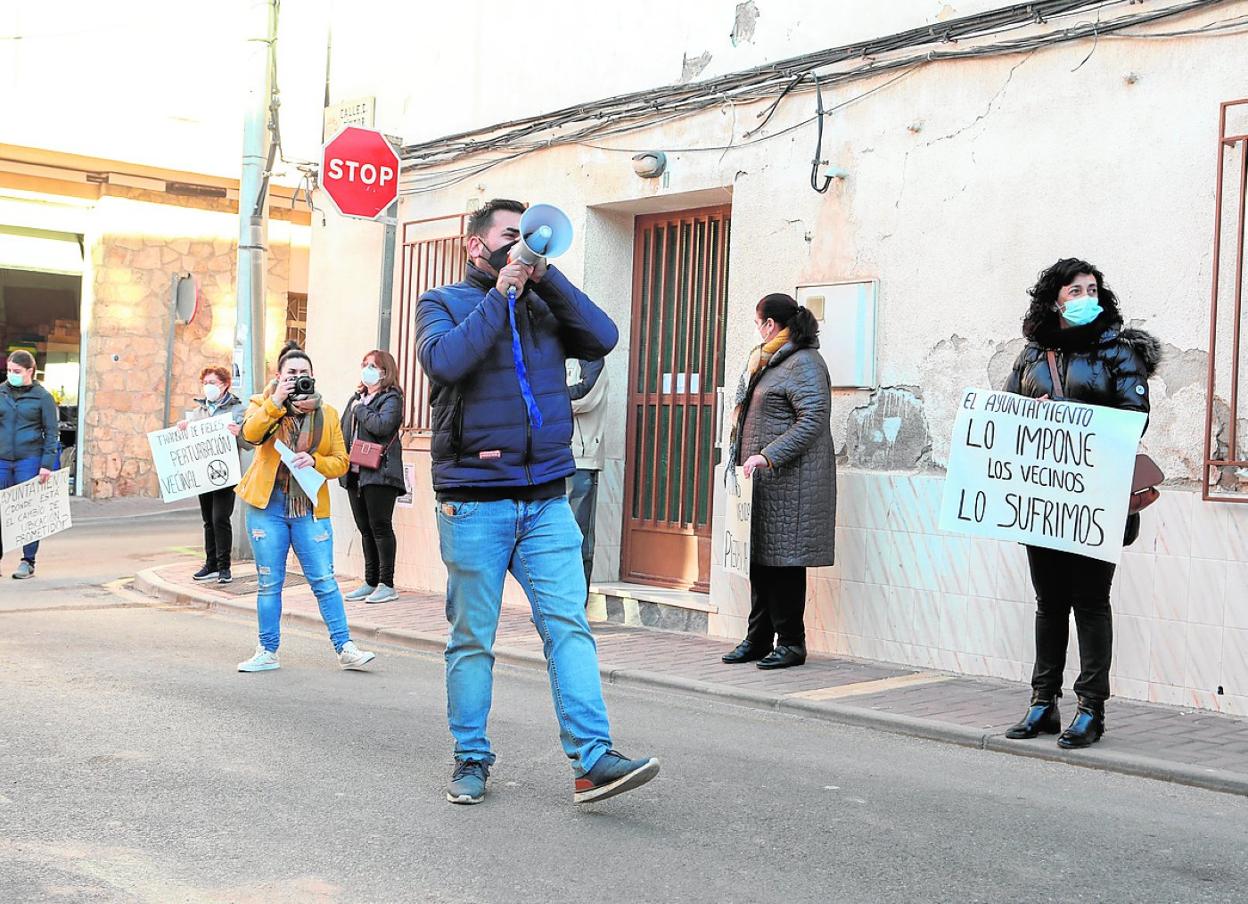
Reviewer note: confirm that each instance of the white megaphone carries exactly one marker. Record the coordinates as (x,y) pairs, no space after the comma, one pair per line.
(545,231)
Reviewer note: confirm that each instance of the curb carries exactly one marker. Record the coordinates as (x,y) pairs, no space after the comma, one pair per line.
(138,516)
(1107,760)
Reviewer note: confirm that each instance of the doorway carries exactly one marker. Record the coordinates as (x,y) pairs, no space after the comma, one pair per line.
(680,309)
(40,312)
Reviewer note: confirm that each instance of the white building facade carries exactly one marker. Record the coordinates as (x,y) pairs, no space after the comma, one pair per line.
(957,167)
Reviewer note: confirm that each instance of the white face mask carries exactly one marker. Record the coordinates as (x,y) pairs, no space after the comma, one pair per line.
(212,392)
(370,376)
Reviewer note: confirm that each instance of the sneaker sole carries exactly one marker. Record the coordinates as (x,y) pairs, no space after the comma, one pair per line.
(629,782)
(22,577)
(387,599)
(358,666)
(206,578)
(260,668)
(463,798)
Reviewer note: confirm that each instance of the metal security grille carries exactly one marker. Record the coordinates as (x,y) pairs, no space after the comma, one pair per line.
(680,306)
(433,255)
(1226,470)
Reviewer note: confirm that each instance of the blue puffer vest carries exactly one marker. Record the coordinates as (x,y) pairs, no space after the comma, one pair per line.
(482,437)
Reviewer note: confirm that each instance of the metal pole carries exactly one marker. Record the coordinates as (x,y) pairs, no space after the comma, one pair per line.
(390,219)
(173,329)
(249,376)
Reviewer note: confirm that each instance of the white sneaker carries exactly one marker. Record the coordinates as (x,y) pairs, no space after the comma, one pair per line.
(263,661)
(383,594)
(359,593)
(352,657)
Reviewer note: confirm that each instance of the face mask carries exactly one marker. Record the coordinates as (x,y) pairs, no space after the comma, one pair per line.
(498,257)
(212,392)
(1081,311)
(370,376)
(17,381)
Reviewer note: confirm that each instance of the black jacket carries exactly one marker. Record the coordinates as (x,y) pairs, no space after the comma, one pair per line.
(1098,365)
(29,425)
(377,421)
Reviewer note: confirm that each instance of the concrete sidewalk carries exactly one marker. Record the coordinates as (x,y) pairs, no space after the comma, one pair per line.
(1192,747)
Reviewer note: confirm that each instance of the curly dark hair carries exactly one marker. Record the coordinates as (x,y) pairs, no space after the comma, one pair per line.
(1042,315)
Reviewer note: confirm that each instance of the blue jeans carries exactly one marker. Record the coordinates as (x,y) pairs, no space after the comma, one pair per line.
(539,543)
(11,474)
(272,535)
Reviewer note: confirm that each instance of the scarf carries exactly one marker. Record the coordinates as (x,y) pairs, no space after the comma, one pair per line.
(300,428)
(759,358)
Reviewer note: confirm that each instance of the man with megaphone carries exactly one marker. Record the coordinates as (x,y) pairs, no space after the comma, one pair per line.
(493,347)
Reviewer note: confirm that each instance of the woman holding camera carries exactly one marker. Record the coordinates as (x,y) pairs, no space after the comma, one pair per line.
(370,428)
(30,437)
(280,514)
(217,506)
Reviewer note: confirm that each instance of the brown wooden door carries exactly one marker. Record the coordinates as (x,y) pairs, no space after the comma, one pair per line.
(680,306)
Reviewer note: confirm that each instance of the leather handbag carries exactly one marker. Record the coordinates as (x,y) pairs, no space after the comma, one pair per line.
(1147,477)
(364,454)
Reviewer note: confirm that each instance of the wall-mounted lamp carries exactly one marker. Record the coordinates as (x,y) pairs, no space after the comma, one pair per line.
(650,165)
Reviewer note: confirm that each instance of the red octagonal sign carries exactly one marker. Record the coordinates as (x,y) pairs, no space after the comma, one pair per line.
(360,172)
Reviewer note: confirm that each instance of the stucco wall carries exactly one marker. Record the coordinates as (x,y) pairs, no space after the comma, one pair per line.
(964,179)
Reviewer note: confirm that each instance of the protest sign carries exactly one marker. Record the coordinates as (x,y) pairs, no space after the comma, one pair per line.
(407,500)
(32,511)
(1044,473)
(735,537)
(310,479)
(197,460)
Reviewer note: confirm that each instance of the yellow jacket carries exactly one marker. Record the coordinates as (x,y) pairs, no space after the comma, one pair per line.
(330,456)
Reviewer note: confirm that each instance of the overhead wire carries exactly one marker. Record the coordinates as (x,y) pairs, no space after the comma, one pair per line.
(629,120)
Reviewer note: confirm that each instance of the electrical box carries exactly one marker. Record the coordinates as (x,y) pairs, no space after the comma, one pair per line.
(846,313)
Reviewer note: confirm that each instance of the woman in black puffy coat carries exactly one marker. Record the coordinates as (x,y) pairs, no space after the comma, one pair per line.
(1074,314)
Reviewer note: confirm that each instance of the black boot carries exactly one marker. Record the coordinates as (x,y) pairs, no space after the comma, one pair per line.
(747,651)
(1086,728)
(783,657)
(1042,717)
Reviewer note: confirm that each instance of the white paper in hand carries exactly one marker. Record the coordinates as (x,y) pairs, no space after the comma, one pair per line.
(309,478)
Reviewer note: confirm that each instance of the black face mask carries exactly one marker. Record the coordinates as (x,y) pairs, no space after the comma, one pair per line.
(498,257)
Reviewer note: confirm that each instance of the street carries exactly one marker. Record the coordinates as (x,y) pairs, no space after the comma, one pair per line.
(136,764)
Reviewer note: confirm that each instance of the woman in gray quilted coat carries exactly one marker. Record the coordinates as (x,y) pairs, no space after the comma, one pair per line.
(783,439)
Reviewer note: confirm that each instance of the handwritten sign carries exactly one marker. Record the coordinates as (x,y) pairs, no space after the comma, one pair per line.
(197,460)
(407,500)
(32,511)
(738,516)
(1051,474)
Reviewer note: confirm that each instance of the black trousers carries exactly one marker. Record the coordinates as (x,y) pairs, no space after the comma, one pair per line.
(373,508)
(1064,582)
(777,605)
(217,507)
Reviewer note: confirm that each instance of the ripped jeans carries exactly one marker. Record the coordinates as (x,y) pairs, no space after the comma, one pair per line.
(272,535)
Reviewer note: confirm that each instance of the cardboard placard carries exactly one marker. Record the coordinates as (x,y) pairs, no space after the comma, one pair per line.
(1043,473)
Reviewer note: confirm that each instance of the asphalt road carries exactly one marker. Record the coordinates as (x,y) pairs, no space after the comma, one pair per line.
(137,765)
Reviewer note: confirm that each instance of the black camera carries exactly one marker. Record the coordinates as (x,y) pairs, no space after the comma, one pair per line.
(304,386)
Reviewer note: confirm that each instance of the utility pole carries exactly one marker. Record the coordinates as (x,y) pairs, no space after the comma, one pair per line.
(253,215)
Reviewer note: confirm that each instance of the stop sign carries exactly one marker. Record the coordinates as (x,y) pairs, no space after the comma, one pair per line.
(360,172)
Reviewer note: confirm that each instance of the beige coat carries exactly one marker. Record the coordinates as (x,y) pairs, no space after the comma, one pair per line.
(589,421)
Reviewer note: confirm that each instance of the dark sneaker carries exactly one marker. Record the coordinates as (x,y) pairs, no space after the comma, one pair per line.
(468,782)
(613,774)
(207,573)
(224,576)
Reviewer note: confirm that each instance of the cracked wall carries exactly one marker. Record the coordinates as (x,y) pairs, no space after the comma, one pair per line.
(889,432)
